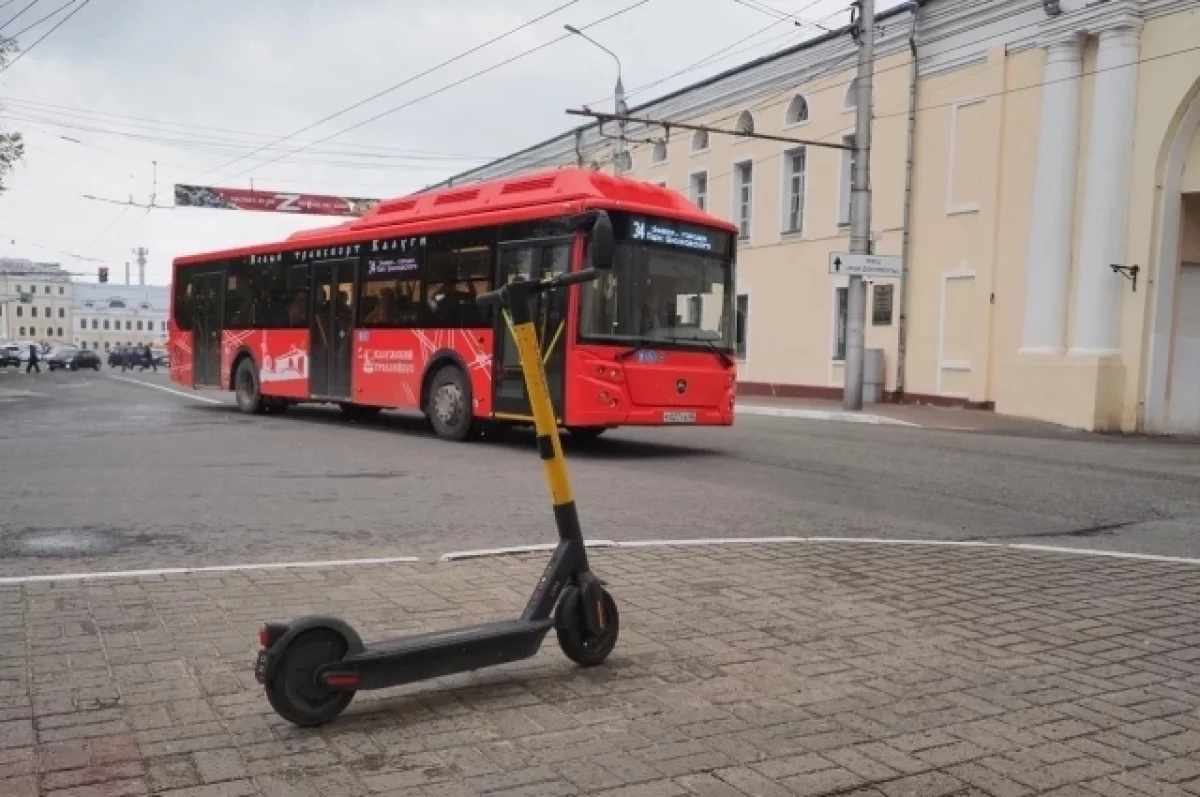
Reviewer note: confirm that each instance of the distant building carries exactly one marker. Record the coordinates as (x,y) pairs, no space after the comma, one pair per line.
(35,301)
(109,315)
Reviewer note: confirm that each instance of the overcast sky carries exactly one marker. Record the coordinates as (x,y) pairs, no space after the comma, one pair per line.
(193,84)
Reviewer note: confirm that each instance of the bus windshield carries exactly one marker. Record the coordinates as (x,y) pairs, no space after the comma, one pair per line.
(677,293)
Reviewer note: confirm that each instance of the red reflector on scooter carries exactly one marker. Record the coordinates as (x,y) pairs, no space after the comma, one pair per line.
(346,680)
(264,637)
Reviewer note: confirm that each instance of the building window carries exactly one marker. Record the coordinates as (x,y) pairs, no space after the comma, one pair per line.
(744,197)
(797,111)
(700,141)
(20,311)
(94,322)
(698,189)
(19,289)
(128,325)
(47,289)
(745,123)
(60,334)
(33,312)
(96,344)
(659,154)
(106,323)
(850,101)
(796,166)
(60,290)
(22,333)
(32,331)
(62,313)
(164,325)
(841,310)
(849,159)
(106,345)
(116,304)
(83,323)
(139,326)
(741,317)
(83,344)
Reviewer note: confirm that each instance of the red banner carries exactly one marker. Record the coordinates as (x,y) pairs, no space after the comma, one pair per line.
(199,196)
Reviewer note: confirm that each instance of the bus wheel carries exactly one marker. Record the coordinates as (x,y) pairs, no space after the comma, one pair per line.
(245,381)
(449,405)
(586,434)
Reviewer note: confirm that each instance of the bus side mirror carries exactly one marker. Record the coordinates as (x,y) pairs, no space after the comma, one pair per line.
(603,243)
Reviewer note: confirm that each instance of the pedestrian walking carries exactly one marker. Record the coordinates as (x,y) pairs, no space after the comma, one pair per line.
(33,360)
(148,359)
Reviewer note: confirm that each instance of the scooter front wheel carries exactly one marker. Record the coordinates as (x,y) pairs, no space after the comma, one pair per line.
(294,692)
(577,642)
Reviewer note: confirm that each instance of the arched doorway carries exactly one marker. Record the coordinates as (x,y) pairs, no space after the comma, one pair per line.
(1172,387)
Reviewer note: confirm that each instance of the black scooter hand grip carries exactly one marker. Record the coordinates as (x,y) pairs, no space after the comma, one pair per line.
(488,299)
(575,277)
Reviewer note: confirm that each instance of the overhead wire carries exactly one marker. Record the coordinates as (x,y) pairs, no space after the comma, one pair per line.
(44,36)
(17,15)
(456,83)
(390,89)
(31,26)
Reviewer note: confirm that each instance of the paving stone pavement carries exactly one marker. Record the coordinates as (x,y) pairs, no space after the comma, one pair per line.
(804,669)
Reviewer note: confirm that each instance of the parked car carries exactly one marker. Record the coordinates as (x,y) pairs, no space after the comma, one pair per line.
(70,359)
(10,355)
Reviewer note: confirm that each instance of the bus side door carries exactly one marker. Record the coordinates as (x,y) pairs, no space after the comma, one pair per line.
(532,260)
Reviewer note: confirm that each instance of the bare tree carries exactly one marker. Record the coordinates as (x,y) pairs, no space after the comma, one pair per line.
(12,146)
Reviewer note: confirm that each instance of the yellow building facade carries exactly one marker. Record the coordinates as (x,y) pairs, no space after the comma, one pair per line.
(1045,144)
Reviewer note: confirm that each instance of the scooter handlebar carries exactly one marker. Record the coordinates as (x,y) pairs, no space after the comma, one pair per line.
(497,297)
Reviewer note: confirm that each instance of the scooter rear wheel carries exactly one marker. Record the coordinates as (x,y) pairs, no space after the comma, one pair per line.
(294,692)
(577,643)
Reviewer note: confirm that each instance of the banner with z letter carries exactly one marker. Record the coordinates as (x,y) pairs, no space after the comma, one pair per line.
(200,196)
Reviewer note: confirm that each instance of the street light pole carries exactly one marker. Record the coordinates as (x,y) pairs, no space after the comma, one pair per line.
(860,209)
(618,99)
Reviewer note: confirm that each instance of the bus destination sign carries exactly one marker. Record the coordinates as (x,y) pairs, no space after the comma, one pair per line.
(671,233)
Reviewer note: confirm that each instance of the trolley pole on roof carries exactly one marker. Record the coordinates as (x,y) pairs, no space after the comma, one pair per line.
(860,207)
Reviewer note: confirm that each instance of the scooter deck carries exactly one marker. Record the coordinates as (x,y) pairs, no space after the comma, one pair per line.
(432,655)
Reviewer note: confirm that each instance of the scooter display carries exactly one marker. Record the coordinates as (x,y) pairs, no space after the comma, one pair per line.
(311,667)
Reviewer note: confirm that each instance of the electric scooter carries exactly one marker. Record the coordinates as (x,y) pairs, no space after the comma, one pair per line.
(311,667)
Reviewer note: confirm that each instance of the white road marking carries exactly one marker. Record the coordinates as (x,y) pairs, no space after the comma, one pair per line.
(165,389)
(820,415)
(1012,546)
(481,553)
(173,571)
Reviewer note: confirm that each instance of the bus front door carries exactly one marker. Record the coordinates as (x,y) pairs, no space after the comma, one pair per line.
(331,330)
(208,292)
(532,260)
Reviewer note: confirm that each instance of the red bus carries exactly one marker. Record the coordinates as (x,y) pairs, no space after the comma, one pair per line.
(380,313)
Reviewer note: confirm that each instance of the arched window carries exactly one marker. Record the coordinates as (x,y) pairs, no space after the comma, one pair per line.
(700,141)
(116,303)
(797,111)
(659,155)
(745,123)
(851,100)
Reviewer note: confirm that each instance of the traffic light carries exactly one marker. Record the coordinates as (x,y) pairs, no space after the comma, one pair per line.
(104,273)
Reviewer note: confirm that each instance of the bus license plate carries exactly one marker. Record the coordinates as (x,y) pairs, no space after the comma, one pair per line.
(679,417)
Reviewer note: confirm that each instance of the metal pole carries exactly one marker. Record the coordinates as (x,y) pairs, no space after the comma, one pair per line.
(860,208)
(619,108)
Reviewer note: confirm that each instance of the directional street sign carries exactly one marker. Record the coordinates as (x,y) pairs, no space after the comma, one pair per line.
(865,265)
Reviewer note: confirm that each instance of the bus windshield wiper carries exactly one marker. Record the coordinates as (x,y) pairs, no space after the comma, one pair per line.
(726,360)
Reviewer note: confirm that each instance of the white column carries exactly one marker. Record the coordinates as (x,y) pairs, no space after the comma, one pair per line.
(1106,202)
(1048,275)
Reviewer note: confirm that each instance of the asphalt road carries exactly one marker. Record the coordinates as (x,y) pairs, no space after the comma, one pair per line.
(97,473)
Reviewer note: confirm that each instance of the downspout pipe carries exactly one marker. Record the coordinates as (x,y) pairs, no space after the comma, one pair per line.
(914,9)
